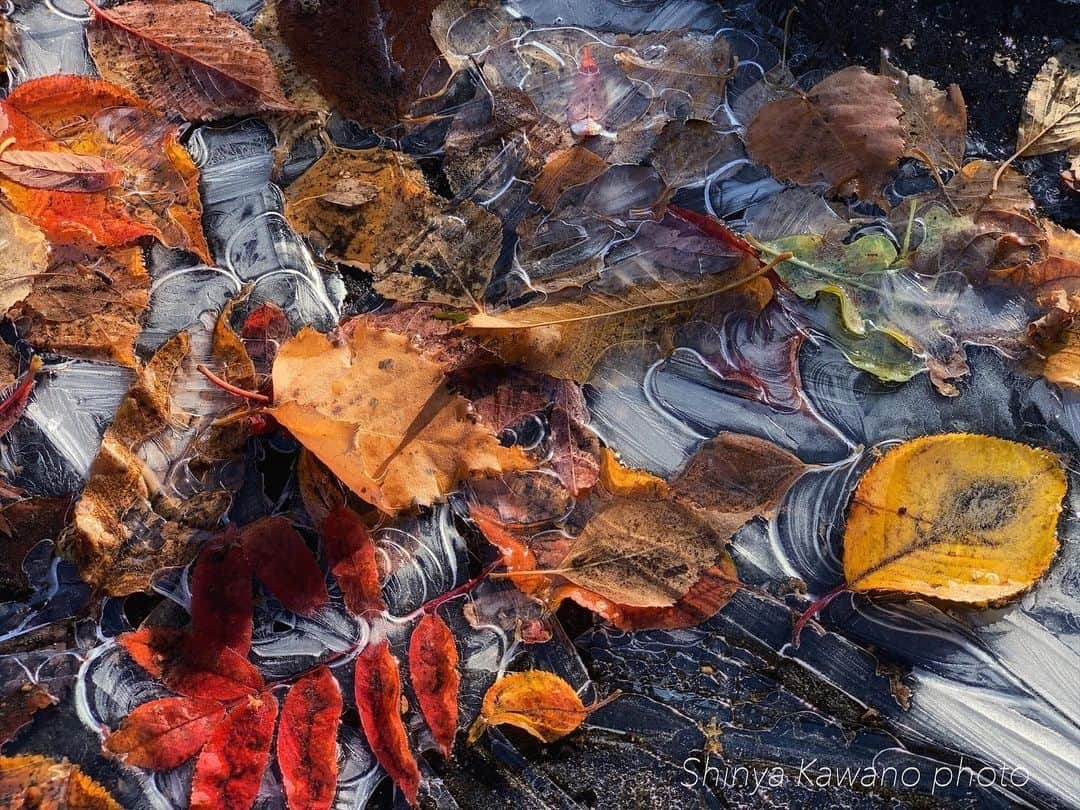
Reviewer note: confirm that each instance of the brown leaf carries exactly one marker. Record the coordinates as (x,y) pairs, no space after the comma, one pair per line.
(58,170)
(18,707)
(185,58)
(24,252)
(565,169)
(35,782)
(376,412)
(845,134)
(23,524)
(935,119)
(418,246)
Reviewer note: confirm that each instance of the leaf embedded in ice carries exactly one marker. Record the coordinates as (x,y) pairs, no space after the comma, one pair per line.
(433,670)
(18,707)
(221,598)
(283,563)
(538,702)
(1050,121)
(35,781)
(16,397)
(307,741)
(192,666)
(165,733)
(349,549)
(958,517)
(229,770)
(184,58)
(844,133)
(59,171)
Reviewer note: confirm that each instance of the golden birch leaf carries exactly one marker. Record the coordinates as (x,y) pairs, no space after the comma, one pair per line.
(1050,121)
(538,702)
(958,517)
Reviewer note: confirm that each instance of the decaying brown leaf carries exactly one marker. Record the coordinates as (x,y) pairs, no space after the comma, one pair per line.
(1050,121)
(33,781)
(418,246)
(844,134)
(935,119)
(23,254)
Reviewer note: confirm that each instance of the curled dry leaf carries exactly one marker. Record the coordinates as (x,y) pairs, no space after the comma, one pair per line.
(184,58)
(189,666)
(845,134)
(1050,121)
(350,551)
(33,781)
(377,686)
(433,668)
(376,412)
(538,702)
(307,741)
(418,246)
(165,733)
(958,517)
(230,767)
(156,193)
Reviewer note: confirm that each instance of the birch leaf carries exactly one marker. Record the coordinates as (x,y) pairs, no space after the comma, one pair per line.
(958,517)
(1050,121)
(538,702)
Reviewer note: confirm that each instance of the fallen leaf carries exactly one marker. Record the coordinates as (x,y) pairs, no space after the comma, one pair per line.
(845,134)
(373,409)
(59,171)
(221,600)
(165,733)
(34,782)
(307,741)
(564,169)
(418,246)
(24,252)
(350,551)
(190,667)
(628,482)
(1050,120)
(433,669)
(18,707)
(229,770)
(284,564)
(24,524)
(935,120)
(185,58)
(15,400)
(538,702)
(378,700)
(957,517)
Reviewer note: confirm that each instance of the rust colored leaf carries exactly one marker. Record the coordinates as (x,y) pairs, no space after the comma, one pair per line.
(190,668)
(565,169)
(185,58)
(14,401)
(33,782)
(165,733)
(307,741)
(59,171)
(265,329)
(538,702)
(157,189)
(221,599)
(18,707)
(230,767)
(378,700)
(433,668)
(284,564)
(845,134)
(350,550)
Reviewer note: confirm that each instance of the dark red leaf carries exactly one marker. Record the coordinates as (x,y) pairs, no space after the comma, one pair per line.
(221,602)
(190,668)
(12,406)
(350,550)
(163,734)
(307,741)
(712,227)
(378,700)
(230,767)
(264,329)
(18,707)
(433,662)
(285,565)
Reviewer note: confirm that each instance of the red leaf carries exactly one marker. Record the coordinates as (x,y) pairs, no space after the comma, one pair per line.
(285,565)
(162,734)
(348,546)
(221,601)
(230,767)
(12,406)
(189,668)
(378,700)
(307,741)
(433,661)
(264,329)
(712,227)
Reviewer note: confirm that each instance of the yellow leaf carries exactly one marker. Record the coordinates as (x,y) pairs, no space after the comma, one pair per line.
(538,702)
(38,782)
(24,253)
(958,517)
(628,482)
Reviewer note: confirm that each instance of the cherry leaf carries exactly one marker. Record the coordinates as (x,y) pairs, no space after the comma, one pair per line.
(307,741)
(162,734)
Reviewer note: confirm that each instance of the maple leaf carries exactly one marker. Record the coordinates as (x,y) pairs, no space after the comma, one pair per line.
(375,411)
(230,768)
(307,741)
(377,687)
(164,733)
(433,661)
(184,58)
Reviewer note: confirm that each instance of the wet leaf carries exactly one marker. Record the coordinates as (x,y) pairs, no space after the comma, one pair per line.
(189,666)
(375,411)
(628,482)
(538,702)
(957,517)
(221,600)
(284,564)
(1050,121)
(307,741)
(935,119)
(230,767)
(844,134)
(33,781)
(18,707)
(24,524)
(433,669)
(24,252)
(184,58)
(563,170)
(164,733)
(350,551)
(418,246)
(59,171)
(15,399)
(378,700)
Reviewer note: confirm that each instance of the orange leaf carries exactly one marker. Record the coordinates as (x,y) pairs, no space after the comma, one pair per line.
(433,661)
(538,702)
(163,734)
